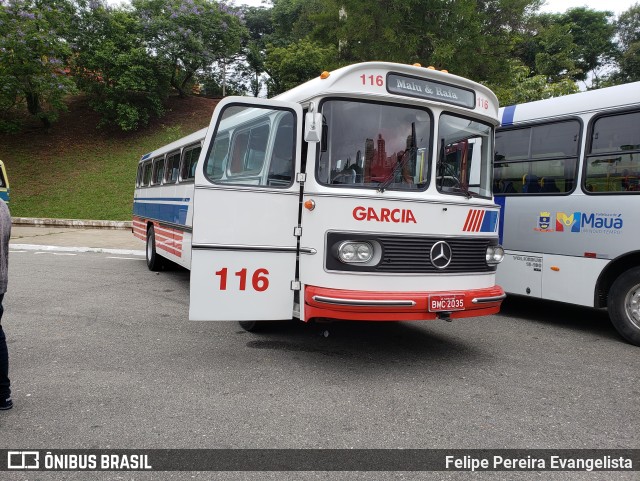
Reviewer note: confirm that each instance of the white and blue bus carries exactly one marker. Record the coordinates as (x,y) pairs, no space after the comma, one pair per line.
(4,183)
(363,194)
(163,201)
(567,174)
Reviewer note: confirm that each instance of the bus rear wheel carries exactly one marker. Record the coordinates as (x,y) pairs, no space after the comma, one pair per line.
(251,326)
(624,305)
(154,261)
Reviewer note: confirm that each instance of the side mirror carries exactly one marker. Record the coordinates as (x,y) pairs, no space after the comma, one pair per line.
(312,127)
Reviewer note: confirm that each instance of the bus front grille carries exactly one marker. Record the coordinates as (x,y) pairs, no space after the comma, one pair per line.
(412,254)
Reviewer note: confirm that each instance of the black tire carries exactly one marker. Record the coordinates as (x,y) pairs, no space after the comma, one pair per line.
(154,261)
(624,305)
(251,326)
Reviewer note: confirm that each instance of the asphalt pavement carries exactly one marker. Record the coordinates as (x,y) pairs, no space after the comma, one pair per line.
(103,356)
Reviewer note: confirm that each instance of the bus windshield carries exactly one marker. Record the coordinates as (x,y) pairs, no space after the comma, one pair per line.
(374,145)
(464,156)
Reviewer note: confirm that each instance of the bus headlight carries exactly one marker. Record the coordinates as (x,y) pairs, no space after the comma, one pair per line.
(351,252)
(494,255)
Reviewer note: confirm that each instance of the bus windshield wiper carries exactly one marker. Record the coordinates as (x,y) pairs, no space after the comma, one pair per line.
(410,153)
(391,177)
(440,165)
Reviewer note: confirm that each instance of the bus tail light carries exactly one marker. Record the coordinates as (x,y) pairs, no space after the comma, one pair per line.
(494,255)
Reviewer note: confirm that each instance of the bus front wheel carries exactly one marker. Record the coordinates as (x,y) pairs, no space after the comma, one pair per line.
(154,261)
(624,305)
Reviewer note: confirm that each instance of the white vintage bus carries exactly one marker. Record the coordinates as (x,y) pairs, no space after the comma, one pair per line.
(567,176)
(363,194)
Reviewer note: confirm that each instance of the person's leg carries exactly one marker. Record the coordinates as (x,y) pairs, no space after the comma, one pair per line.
(5,391)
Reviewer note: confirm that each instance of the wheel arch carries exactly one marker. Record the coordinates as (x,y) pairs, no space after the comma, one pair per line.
(611,272)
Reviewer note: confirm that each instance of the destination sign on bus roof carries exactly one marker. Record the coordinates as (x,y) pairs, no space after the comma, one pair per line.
(428,89)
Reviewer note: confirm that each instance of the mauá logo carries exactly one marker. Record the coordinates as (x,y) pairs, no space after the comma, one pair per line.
(564,221)
(579,221)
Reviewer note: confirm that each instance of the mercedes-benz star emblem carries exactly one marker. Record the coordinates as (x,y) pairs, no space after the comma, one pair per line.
(440,254)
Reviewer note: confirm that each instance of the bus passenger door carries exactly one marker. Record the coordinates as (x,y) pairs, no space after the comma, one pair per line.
(245,211)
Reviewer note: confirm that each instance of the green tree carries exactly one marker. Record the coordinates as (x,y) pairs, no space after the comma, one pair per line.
(556,58)
(33,57)
(628,30)
(523,86)
(577,44)
(112,63)
(259,24)
(593,34)
(298,62)
(294,20)
(472,38)
(190,35)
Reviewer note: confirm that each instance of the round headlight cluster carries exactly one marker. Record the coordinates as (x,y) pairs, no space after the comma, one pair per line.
(494,255)
(355,252)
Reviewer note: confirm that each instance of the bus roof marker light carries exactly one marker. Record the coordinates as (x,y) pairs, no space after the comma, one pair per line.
(431,67)
(444,71)
(555,268)
(324,75)
(310,204)
(417,64)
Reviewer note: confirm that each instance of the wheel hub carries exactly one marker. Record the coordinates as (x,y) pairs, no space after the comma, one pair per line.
(632,305)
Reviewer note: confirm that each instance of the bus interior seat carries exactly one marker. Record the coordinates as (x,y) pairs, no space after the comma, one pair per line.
(548,185)
(530,184)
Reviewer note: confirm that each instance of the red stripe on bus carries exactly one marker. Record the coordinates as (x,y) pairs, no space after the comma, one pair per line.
(466,224)
(480,216)
(170,250)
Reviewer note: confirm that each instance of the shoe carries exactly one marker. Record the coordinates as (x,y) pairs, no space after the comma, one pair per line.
(6,404)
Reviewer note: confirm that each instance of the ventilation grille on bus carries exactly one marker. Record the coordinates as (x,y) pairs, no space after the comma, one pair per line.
(411,254)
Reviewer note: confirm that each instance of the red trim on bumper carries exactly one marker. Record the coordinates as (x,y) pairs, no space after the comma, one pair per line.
(352,305)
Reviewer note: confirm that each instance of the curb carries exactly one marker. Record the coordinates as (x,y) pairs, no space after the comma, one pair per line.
(101,250)
(75,223)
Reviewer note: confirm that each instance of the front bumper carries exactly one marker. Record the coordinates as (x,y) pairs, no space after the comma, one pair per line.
(350,305)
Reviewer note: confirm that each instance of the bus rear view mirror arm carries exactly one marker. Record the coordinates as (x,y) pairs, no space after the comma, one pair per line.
(312,127)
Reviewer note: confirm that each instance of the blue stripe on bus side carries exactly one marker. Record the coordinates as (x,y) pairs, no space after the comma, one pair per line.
(4,195)
(489,221)
(169,199)
(507,115)
(501,200)
(173,213)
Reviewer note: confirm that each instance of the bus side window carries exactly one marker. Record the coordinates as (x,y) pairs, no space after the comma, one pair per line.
(281,165)
(248,152)
(541,159)
(189,163)
(252,146)
(158,171)
(216,160)
(139,176)
(146,174)
(613,160)
(172,168)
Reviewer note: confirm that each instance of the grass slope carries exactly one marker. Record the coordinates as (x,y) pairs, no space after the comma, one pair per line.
(76,171)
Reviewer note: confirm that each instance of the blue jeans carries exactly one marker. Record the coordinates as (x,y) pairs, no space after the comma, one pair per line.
(5,391)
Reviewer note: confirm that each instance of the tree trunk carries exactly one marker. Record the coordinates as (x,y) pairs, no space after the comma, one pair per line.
(33,107)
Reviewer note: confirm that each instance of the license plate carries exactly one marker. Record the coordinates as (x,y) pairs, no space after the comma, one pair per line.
(446,302)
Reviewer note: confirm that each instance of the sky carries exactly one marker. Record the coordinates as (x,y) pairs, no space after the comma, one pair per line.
(560,6)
